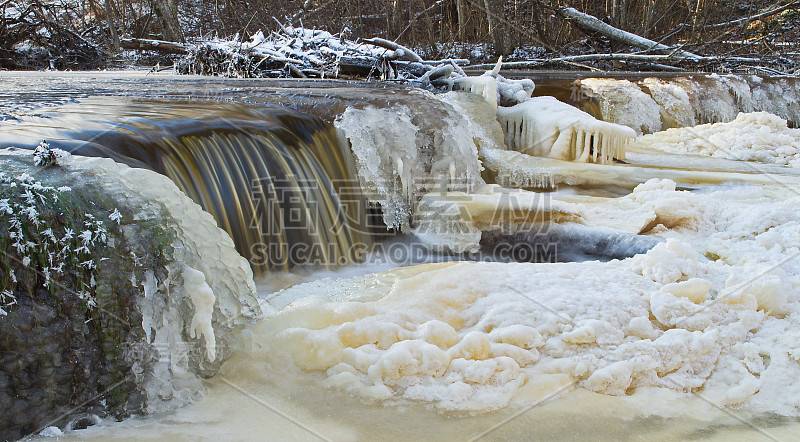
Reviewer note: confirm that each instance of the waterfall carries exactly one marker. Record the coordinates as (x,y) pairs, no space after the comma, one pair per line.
(279,182)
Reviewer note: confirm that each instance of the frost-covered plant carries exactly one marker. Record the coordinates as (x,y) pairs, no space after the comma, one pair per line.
(44,243)
(43,155)
(7,300)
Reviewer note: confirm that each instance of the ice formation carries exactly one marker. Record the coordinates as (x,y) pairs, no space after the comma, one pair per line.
(402,153)
(708,310)
(623,102)
(675,106)
(711,99)
(756,136)
(169,309)
(544,126)
(194,282)
(483,85)
(686,101)
(496,89)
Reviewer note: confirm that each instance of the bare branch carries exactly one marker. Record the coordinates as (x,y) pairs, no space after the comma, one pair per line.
(761,15)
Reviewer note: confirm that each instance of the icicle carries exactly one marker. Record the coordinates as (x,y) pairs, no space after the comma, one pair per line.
(403,181)
(543,126)
(484,85)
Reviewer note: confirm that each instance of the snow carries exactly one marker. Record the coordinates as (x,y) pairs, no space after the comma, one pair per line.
(756,136)
(51,431)
(305,48)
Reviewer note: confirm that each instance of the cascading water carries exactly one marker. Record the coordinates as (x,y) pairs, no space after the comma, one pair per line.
(279,182)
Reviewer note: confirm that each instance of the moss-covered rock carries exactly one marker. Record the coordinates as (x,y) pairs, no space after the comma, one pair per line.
(95,316)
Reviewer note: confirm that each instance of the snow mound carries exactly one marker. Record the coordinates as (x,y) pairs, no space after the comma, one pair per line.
(755,136)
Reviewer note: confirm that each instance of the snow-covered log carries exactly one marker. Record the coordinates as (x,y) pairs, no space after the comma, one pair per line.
(592,23)
(400,51)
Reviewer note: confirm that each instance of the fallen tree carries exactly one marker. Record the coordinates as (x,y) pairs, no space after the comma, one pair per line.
(594,24)
(164,47)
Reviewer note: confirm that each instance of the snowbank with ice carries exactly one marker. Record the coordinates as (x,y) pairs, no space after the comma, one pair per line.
(756,136)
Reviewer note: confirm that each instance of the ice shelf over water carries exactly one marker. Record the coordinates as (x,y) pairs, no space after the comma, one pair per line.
(546,127)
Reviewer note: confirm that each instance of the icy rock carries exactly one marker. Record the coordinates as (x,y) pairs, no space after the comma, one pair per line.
(544,126)
(139,308)
(623,102)
(404,152)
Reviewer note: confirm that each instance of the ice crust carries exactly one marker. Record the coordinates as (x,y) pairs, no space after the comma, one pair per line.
(756,136)
(712,309)
(546,127)
(655,104)
(454,221)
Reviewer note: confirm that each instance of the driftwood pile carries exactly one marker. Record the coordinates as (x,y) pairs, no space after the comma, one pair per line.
(33,36)
(295,52)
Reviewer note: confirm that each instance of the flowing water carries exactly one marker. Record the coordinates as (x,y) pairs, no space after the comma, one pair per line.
(355,202)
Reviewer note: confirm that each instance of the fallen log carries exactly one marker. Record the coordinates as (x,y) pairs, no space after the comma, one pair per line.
(592,23)
(759,16)
(402,51)
(644,58)
(164,47)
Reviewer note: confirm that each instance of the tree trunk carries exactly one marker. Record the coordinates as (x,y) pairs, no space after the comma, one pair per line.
(497,39)
(112,27)
(461,19)
(170,26)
